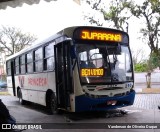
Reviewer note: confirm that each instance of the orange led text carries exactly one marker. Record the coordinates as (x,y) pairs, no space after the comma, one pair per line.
(92,72)
(101,36)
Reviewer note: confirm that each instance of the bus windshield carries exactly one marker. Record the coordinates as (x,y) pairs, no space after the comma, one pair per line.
(104,63)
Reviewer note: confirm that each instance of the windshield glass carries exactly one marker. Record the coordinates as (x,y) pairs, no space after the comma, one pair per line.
(104,63)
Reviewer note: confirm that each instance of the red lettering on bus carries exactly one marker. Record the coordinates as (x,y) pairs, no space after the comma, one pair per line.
(37,81)
(45,81)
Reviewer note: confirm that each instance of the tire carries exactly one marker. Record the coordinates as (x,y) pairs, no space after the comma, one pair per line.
(21,101)
(52,104)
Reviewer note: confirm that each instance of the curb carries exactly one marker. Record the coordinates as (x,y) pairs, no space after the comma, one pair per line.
(4,93)
(149,91)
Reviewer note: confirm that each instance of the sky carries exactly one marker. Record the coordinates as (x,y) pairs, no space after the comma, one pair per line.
(43,19)
(46,18)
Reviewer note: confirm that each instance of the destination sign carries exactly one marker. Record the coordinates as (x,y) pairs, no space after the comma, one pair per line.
(99,35)
(92,72)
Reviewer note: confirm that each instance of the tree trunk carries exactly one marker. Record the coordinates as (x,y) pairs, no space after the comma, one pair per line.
(148,80)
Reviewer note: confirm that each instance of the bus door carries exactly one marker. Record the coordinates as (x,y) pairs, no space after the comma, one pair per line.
(13,79)
(63,70)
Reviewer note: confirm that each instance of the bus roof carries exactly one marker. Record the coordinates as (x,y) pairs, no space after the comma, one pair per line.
(68,32)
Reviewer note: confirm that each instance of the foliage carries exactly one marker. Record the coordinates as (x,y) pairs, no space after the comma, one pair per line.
(118,12)
(148,65)
(154,61)
(140,67)
(149,11)
(138,56)
(12,40)
(112,13)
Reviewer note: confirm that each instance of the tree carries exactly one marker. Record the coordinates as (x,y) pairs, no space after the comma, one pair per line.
(154,61)
(113,13)
(117,12)
(140,67)
(12,40)
(149,11)
(138,56)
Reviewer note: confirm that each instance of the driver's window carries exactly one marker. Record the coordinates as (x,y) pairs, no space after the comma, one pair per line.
(83,56)
(96,58)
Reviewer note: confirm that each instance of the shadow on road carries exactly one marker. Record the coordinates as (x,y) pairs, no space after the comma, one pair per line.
(95,115)
(36,107)
(81,116)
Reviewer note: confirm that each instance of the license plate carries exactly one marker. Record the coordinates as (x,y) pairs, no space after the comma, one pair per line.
(111,102)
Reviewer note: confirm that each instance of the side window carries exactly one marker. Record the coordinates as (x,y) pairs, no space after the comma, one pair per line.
(38,61)
(49,57)
(8,68)
(29,64)
(17,69)
(22,64)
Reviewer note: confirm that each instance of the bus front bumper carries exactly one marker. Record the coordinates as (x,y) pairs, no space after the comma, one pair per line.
(85,103)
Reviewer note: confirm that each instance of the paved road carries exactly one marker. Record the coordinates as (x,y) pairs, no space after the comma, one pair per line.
(147,101)
(144,110)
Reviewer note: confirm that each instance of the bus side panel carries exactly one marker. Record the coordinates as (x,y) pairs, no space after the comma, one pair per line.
(77,88)
(33,96)
(77,85)
(37,84)
(24,94)
(50,84)
(9,85)
(21,82)
(42,98)
(34,86)
(72,100)
(51,81)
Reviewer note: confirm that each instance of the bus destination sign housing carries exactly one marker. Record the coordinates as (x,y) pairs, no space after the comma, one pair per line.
(100,34)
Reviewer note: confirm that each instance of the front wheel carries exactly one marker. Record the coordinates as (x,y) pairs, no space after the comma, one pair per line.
(52,104)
